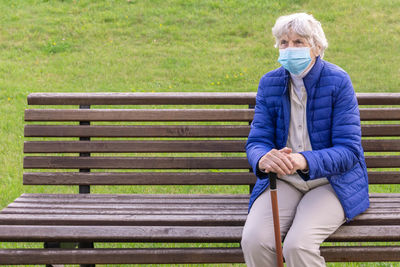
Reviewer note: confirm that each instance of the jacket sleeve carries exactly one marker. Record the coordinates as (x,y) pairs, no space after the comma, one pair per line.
(261,137)
(346,147)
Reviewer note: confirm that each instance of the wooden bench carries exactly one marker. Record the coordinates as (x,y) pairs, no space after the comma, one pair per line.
(170,139)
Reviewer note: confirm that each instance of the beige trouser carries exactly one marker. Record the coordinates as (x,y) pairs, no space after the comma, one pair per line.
(306,219)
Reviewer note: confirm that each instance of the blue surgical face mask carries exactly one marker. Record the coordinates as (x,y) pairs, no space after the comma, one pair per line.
(295,59)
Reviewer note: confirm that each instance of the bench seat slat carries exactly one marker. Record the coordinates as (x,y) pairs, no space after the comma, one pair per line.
(180,255)
(123,220)
(171,130)
(52,233)
(115,206)
(122,256)
(375,207)
(202,198)
(170,146)
(217,198)
(141,198)
(195,203)
(154,201)
(101,210)
(166,219)
(214,198)
(149,209)
(168,162)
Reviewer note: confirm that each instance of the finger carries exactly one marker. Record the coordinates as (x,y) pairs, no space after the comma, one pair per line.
(276,169)
(286,150)
(278,166)
(285,160)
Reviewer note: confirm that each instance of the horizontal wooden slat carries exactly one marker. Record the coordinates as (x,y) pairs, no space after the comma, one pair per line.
(21,208)
(378,98)
(380,130)
(79,210)
(384,177)
(137,131)
(136,209)
(361,253)
(377,205)
(139,115)
(166,199)
(202,199)
(53,233)
(180,255)
(139,178)
(178,98)
(123,220)
(135,146)
(141,98)
(168,162)
(381,145)
(200,219)
(171,130)
(136,163)
(139,208)
(169,146)
(368,114)
(377,114)
(122,256)
(170,210)
(99,198)
(382,161)
(175,178)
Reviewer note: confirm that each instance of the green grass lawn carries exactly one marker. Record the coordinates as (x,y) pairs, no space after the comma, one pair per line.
(171,46)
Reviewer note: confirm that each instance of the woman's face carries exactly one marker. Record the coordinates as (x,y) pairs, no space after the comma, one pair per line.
(292,39)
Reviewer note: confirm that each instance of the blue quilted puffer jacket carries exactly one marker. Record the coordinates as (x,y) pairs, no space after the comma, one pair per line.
(333,121)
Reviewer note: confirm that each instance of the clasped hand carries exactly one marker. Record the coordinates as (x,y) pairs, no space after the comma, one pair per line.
(282,162)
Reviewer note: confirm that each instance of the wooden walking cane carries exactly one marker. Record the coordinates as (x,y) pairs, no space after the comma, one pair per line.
(275,214)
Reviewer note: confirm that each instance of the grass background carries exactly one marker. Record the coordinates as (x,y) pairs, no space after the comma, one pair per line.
(171,46)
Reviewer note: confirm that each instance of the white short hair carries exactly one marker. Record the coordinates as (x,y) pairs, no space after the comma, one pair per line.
(304,25)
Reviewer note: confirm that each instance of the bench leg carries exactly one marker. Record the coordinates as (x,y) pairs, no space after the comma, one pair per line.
(87,245)
(51,245)
(69,245)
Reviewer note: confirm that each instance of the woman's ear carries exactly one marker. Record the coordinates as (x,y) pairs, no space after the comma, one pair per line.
(316,51)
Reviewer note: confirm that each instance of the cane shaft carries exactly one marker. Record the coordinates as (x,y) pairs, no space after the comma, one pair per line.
(277,229)
(275,215)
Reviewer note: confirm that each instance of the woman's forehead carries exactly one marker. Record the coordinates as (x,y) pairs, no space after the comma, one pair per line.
(292,36)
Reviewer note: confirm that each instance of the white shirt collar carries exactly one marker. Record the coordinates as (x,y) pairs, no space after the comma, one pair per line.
(298,83)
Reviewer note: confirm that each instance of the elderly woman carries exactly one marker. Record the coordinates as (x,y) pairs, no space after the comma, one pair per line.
(306,128)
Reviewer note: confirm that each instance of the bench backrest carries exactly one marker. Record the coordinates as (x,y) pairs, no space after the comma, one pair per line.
(170,138)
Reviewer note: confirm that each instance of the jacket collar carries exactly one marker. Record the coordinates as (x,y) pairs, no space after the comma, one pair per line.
(311,79)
